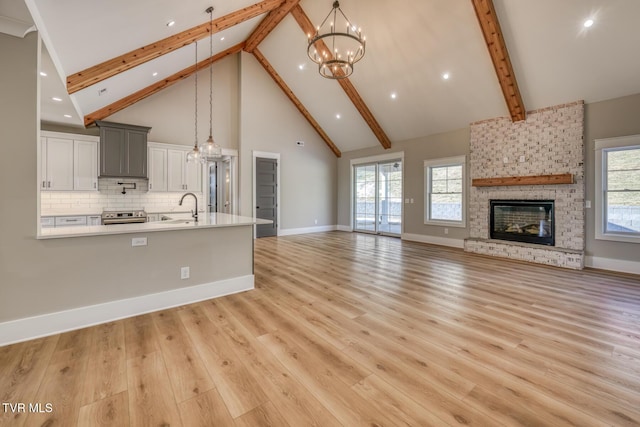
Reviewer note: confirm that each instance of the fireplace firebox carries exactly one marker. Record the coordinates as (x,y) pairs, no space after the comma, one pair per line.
(529,221)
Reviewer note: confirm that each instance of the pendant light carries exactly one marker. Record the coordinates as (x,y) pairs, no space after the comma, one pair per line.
(211,151)
(195,155)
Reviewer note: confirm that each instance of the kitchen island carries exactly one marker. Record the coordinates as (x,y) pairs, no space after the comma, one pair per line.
(109,272)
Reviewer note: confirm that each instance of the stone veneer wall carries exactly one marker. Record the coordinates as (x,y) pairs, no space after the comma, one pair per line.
(551,141)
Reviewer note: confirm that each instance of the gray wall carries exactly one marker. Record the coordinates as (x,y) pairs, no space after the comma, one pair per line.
(44,276)
(416,151)
(269,122)
(607,119)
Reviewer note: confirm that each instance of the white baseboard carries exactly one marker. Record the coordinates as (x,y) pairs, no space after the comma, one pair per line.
(434,240)
(620,265)
(318,229)
(53,323)
(345,228)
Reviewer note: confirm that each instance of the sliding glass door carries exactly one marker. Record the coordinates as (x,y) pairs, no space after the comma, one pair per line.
(377,206)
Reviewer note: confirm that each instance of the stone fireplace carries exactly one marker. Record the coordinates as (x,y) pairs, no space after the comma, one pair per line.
(548,142)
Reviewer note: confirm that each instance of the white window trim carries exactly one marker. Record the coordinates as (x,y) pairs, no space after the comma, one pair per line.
(600,145)
(447,161)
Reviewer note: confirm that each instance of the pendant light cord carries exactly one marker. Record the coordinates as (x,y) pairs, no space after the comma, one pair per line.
(210,73)
(196,97)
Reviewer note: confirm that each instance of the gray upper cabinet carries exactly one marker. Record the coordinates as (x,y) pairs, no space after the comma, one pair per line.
(123,150)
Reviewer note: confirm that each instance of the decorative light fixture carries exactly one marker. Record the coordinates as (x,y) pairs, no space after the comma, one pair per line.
(195,155)
(334,50)
(211,151)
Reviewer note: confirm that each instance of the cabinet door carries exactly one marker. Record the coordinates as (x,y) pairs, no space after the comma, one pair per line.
(111,151)
(43,163)
(157,169)
(176,162)
(136,149)
(59,164)
(193,176)
(94,220)
(85,165)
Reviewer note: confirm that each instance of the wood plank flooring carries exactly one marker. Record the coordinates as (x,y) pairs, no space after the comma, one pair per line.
(347,329)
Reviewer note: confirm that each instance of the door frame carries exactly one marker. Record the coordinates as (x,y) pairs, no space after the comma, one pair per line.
(265,155)
(372,160)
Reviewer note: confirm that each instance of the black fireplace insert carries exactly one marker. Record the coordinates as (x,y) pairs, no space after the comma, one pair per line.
(529,221)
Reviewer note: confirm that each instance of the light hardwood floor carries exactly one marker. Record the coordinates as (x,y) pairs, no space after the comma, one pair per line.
(348,329)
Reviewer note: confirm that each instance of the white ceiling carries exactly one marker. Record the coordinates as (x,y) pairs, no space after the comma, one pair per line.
(410,44)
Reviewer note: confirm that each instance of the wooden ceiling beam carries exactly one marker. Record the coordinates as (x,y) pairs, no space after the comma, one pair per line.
(157,87)
(307,27)
(267,25)
(117,65)
(490,26)
(276,77)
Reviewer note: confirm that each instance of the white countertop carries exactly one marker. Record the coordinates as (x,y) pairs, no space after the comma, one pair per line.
(89,212)
(205,221)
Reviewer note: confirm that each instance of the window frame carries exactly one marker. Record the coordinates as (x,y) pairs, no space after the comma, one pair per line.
(443,162)
(602,148)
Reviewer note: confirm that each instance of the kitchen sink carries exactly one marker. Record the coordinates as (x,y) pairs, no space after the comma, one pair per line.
(178,221)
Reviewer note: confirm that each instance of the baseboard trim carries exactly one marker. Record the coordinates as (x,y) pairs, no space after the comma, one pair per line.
(345,228)
(53,323)
(434,240)
(318,229)
(622,266)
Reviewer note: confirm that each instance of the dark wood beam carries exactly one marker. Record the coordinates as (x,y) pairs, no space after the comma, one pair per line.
(276,77)
(267,25)
(117,65)
(490,26)
(305,23)
(157,87)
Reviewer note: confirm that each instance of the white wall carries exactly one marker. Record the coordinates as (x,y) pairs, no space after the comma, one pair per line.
(171,112)
(270,122)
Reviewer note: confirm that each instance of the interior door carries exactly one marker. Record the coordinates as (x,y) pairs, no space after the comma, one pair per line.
(213,187)
(266,186)
(377,206)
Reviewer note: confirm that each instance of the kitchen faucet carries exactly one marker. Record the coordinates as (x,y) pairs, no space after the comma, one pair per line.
(194,214)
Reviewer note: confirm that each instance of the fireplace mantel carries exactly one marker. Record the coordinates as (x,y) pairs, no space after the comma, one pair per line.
(564,178)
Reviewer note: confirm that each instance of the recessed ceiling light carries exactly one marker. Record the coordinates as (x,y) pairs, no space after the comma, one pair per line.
(588,23)
(171,23)
(221,38)
(446,76)
(55,98)
(301,67)
(155,74)
(43,74)
(338,116)
(394,95)
(68,116)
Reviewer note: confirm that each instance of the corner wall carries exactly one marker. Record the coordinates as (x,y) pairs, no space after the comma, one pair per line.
(269,122)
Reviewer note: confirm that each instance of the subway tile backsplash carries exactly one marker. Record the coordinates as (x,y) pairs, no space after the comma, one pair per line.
(109,196)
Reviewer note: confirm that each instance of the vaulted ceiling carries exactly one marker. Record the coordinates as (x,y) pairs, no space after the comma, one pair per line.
(411,44)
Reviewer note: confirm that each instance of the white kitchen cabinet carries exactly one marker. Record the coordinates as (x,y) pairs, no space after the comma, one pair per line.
(153,217)
(182,176)
(57,164)
(70,221)
(85,165)
(157,169)
(94,220)
(68,162)
(47,222)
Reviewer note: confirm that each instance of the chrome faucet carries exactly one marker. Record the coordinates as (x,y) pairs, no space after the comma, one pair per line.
(193,214)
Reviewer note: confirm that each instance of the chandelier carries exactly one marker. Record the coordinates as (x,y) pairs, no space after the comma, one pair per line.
(210,151)
(336,45)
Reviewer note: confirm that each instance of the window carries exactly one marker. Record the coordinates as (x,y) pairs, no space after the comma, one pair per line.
(445,191)
(618,189)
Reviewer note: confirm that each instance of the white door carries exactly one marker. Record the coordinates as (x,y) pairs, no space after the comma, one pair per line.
(85,165)
(157,169)
(176,161)
(59,164)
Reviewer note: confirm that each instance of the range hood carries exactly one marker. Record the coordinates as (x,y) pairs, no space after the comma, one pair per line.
(123,150)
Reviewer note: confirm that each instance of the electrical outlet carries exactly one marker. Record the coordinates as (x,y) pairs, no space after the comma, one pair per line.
(184,273)
(139,241)
(406,201)
(315,221)
(505,160)
(411,201)
(587,204)
(522,159)
(446,231)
